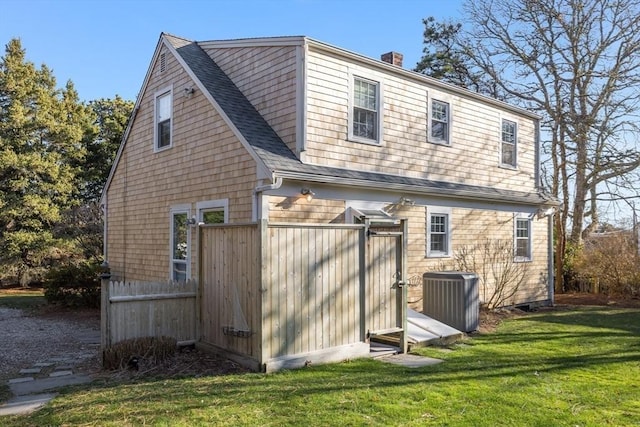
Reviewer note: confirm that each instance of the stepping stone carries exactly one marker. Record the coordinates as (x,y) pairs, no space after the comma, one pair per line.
(43,364)
(64,368)
(20,380)
(23,405)
(60,373)
(31,371)
(44,384)
(410,360)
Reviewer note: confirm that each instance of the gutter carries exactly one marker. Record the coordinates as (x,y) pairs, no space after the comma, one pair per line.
(257,192)
(445,192)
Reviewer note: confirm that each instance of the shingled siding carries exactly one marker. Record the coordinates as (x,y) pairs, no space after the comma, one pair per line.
(472,158)
(206,162)
(267,77)
(469,227)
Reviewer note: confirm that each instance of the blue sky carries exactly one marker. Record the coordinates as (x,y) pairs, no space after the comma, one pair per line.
(104,47)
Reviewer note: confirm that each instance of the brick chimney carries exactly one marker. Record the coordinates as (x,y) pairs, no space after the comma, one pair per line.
(393,58)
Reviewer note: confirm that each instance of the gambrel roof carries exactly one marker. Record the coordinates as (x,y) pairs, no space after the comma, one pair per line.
(276,160)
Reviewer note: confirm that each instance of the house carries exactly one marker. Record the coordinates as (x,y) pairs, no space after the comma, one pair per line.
(293,130)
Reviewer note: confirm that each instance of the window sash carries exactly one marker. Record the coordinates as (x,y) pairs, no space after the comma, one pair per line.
(438,234)
(163,120)
(365,109)
(439,121)
(523,239)
(212,216)
(164,133)
(508,144)
(179,245)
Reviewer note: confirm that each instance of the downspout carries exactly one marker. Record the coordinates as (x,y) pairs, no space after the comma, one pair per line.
(537,178)
(550,256)
(104,230)
(301,99)
(257,192)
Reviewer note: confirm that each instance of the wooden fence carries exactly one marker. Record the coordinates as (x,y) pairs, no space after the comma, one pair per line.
(278,295)
(144,309)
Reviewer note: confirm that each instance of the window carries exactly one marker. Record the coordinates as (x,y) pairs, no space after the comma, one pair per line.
(365,119)
(162,133)
(440,122)
(523,238)
(180,244)
(438,234)
(508,145)
(213,211)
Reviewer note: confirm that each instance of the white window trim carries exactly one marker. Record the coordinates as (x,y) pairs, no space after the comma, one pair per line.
(515,148)
(158,94)
(529,218)
(178,209)
(213,204)
(380,98)
(445,100)
(436,210)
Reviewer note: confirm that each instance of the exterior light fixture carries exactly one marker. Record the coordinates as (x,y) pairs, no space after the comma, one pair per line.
(308,194)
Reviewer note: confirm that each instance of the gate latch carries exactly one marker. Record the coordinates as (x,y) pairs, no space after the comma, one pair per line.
(399,282)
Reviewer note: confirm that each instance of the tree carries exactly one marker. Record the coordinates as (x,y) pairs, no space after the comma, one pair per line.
(83,224)
(446,58)
(577,64)
(41,128)
(110,117)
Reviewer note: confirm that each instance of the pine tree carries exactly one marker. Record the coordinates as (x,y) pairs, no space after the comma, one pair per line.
(41,130)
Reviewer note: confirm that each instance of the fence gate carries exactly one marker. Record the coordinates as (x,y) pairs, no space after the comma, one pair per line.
(385,294)
(284,293)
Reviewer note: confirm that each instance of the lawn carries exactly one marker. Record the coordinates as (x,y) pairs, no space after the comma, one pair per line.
(578,367)
(24,299)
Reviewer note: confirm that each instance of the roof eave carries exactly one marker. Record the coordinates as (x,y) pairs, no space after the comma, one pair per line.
(525,200)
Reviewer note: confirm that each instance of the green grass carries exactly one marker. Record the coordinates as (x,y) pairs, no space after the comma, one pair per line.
(561,368)
(24,299)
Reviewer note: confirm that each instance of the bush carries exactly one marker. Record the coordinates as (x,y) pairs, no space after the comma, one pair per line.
(131,352)
(499,274)
(73,285)
(609,263)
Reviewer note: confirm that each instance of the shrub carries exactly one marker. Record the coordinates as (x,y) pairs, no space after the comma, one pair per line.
(610,264)
(129,353)
(499,274)
(74,285)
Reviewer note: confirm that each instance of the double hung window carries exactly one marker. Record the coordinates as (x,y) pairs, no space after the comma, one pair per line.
(439,233)
(440,122)
(163,113)
(366,111)
(522,238)
(179,244)
(508,143)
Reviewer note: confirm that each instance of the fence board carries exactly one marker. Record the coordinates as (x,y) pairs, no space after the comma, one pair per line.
(306,284)
(231,288)
(144,309)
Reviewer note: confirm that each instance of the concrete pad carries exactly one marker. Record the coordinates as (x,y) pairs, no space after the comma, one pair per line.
(60,373)
(20,380)
(23,405)
(410,360)
(31,371)
(44,384)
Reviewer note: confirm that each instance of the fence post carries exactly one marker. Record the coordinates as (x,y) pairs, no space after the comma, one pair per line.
(105,330)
